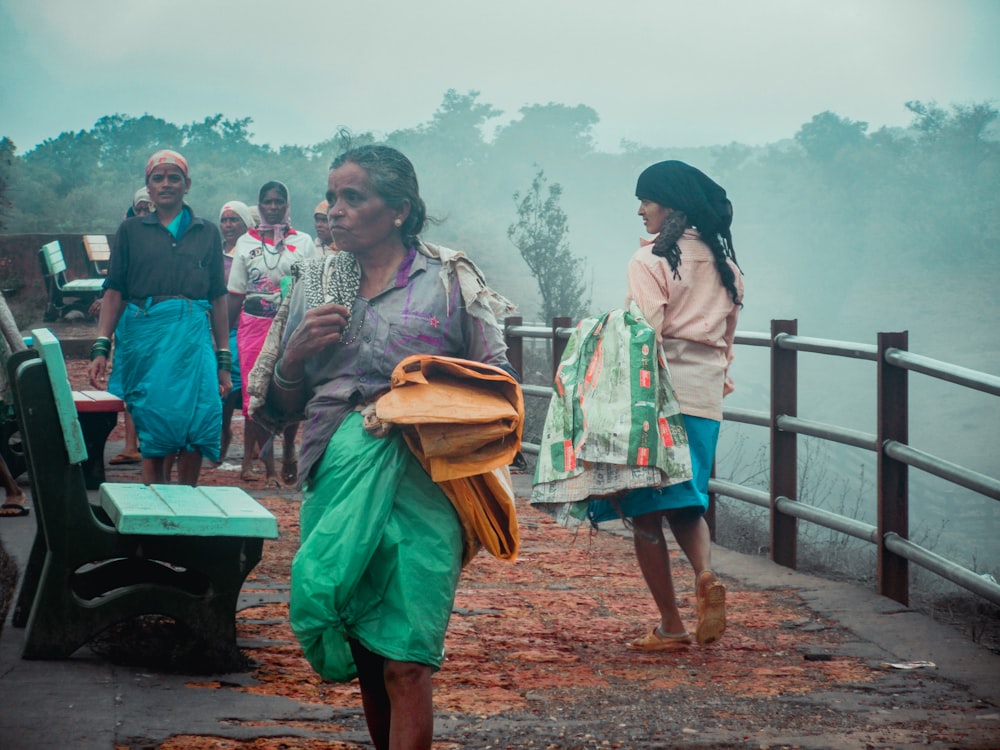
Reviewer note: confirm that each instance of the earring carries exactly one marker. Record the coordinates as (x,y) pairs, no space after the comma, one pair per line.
(398,223)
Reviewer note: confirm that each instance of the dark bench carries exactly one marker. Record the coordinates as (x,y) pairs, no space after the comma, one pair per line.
(171,550)
(98,412)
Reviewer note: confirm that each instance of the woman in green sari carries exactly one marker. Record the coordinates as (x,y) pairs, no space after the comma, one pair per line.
(374,581)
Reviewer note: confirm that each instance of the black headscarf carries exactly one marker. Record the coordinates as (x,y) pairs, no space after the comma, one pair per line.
(681,187)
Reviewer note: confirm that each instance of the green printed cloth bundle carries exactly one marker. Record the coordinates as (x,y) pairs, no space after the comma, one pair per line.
(614,423)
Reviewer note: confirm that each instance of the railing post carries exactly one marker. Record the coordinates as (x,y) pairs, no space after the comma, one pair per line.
(515,344)
(784,448)
(713,500)
(558,344)
(893,475)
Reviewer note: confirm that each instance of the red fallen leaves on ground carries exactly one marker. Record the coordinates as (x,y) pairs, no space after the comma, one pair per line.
(550,626)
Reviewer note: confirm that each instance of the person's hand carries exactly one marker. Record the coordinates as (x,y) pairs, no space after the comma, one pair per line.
(225,383)
(98,373)
(94,310)
(320,328)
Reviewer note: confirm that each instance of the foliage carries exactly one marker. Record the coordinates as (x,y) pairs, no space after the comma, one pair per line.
(539,234)
(817,215)
(6,165)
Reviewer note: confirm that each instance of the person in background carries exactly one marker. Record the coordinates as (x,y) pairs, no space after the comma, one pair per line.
(388,533)
(234,221)
(14,500)
(165,284)
(324,239)
(263,258)
(141,206)
(690,290)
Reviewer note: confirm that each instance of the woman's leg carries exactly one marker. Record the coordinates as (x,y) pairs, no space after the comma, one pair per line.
(694,538)
(229,406)
(654,562)
(153,471)
(412,706)
(188,467)
(397,699)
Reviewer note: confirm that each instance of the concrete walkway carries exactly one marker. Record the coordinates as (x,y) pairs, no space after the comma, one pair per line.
(86,703)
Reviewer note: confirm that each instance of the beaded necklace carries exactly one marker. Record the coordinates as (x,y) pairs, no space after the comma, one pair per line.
(357,331)
(265,252)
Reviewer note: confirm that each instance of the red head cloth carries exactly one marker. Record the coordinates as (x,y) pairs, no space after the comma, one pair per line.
(166,156)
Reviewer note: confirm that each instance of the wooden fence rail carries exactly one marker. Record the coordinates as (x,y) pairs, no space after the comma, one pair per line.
(895,551)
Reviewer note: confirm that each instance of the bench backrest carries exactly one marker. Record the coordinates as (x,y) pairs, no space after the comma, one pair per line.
(98,248)
(52,257)
(49,349)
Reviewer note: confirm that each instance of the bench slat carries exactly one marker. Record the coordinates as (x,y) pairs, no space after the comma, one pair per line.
(83,285)
(97,401)
(50,350)
(98,248)
(179,510)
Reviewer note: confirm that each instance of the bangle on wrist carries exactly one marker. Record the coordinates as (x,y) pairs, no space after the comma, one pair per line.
(224,358)
(286,385)
(100,348)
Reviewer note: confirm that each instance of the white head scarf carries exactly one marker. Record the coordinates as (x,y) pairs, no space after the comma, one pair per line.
(241,209)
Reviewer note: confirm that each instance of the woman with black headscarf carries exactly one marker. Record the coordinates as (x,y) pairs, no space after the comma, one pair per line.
(690,290)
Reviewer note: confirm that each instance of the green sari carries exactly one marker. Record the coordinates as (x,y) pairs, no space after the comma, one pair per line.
(380,556)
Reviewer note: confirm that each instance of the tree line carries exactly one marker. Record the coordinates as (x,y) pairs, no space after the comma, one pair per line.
(832,200)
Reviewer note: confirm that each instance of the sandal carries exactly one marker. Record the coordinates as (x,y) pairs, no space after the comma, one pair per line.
(657,640)
(711,596)
(13,510)
(125,458)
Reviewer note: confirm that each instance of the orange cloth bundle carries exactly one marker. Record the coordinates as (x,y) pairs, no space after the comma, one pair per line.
(463,420)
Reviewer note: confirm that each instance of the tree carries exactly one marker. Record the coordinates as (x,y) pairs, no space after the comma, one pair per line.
(7,149)
(540,235)
(827,134)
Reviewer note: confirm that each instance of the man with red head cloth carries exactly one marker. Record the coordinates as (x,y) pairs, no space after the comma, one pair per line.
(165,302)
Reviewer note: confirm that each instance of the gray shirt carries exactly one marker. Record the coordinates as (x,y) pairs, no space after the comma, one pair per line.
(417,314)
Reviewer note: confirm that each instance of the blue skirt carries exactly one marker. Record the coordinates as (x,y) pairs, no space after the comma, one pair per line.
(165,370)
(703,437)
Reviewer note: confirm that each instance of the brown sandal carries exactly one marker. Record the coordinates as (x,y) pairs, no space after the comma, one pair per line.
(125,458)
(656,640)
(711,595)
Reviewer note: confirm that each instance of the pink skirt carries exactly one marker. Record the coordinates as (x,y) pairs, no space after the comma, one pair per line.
(249,341)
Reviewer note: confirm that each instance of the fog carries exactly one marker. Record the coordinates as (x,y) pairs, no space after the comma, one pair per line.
(855,212)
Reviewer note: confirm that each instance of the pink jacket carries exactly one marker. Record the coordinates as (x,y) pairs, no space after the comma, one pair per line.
(694,318)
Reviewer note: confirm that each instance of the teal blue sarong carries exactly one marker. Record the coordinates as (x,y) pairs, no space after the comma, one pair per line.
(380,556)
(166,372)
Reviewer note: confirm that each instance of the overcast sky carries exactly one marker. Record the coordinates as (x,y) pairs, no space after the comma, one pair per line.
(659,72)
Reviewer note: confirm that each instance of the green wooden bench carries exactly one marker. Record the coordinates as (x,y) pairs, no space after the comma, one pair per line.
(177,551)
(65,295)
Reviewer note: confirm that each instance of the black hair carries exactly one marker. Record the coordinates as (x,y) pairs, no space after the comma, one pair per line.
(394,180)
(695,201)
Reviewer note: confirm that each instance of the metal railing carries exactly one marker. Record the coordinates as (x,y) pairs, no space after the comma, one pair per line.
(895,551)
